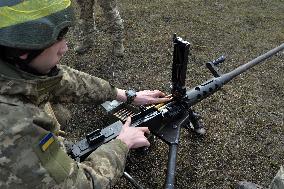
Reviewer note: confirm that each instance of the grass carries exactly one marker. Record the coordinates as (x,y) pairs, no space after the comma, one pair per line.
(244,121)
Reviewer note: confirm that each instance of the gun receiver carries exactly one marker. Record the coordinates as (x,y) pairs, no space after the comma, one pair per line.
(166,120)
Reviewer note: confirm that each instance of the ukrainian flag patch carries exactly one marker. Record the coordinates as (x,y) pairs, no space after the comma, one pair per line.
(46,141)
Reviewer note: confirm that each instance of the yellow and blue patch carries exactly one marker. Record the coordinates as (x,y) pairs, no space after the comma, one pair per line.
(46,141)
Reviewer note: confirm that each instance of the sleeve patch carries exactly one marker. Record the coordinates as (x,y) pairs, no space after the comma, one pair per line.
(46,141)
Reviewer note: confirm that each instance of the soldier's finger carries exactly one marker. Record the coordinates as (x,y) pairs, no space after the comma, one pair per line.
(157,93)
(147,143)
(128,121)
(160,100)
(144,130)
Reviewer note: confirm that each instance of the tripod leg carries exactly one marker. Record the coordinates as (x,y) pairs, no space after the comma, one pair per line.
(170,178)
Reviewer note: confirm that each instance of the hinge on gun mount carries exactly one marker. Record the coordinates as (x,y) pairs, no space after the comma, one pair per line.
(212,66)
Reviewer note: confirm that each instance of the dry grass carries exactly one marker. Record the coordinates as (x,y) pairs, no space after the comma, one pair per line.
(244,121)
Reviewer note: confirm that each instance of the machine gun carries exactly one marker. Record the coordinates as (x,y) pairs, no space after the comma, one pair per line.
(165,120)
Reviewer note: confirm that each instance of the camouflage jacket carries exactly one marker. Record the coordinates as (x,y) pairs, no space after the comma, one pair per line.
(31,155)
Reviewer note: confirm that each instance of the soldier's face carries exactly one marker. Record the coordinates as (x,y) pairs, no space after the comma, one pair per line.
(44,62)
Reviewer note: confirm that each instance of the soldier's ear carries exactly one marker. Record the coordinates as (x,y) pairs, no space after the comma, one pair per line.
(24,56)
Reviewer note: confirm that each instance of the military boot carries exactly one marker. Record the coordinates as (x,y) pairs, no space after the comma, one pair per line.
(83,46)
(85,39)
(248,185)
(118,49)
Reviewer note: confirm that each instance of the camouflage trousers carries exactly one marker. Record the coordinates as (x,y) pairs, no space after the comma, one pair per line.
(87,20)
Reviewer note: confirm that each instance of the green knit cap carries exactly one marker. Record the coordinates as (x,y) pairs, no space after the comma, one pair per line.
(33,24)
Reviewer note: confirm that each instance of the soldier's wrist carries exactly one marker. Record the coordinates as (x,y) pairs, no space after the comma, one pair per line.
(127,96)
(130,95)
(120,96)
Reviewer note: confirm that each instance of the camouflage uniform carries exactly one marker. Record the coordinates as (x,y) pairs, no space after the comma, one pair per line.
(87,24)
(24,124)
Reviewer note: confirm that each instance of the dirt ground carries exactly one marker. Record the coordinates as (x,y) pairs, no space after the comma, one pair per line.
(244,121)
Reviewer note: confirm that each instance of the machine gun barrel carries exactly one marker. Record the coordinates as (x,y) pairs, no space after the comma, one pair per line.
(209,87)
(229,76)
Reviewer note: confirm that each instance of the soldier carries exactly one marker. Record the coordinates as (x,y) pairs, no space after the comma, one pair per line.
(87,24)
(31,156)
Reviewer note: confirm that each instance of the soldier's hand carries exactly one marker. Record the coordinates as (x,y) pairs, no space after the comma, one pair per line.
(133,137)
(150,97)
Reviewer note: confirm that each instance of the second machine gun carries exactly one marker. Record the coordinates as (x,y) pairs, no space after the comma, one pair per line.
(165,120)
